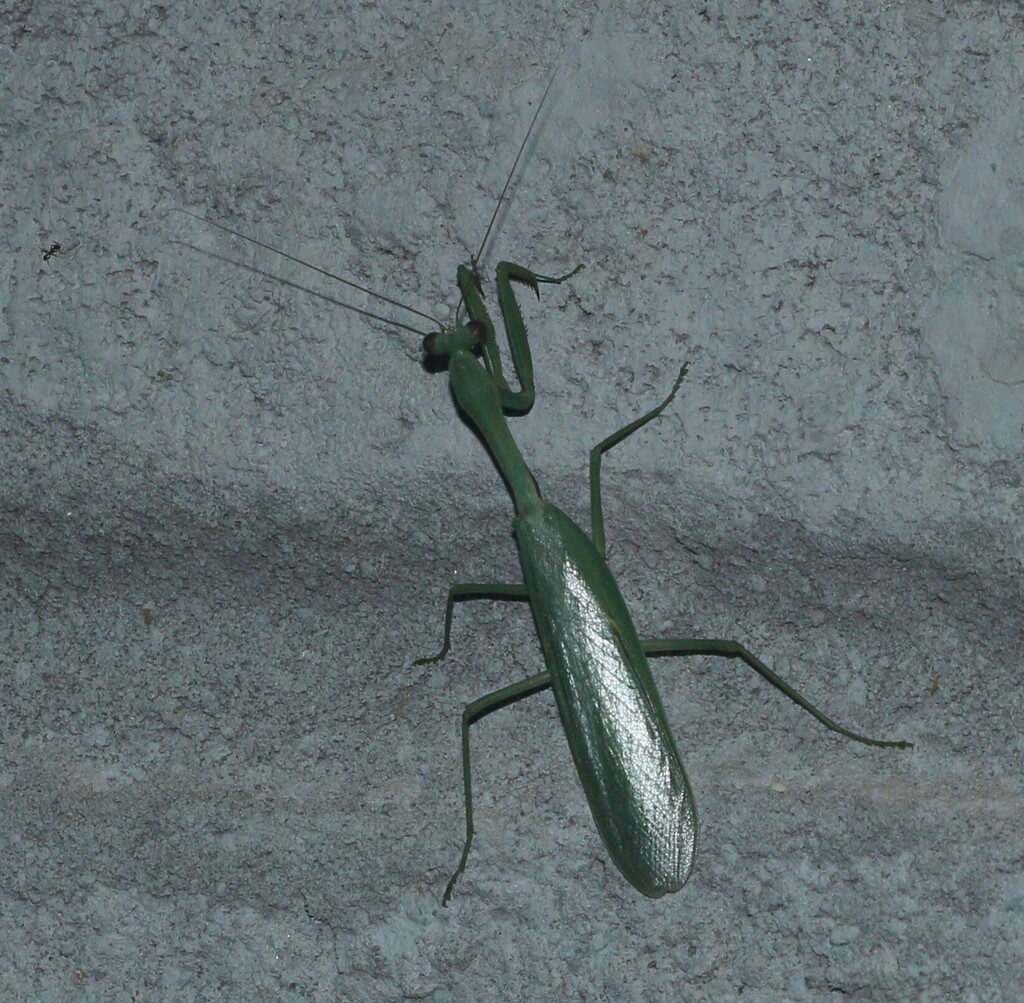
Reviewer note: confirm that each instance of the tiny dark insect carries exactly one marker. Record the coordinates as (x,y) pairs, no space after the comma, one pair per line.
(52,250)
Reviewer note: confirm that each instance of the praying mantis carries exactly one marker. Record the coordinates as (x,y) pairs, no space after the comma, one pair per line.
(595,661)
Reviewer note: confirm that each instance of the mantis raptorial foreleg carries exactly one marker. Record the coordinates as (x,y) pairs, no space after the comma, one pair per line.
(520,401)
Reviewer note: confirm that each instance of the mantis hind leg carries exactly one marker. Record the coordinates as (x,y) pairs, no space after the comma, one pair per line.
(596,510)
(482,707)
(733,649)
(473,712)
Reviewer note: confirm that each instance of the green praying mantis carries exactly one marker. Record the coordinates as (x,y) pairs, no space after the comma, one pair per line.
(595,661)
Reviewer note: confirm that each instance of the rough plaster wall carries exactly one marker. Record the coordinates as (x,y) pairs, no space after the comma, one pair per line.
(231,509)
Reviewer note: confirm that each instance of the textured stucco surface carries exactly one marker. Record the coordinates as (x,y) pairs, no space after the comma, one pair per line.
(230,509)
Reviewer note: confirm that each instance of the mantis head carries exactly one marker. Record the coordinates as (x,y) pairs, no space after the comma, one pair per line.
(463,337)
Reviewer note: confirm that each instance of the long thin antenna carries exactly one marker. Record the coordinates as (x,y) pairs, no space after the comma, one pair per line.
(315,268)
(511,173)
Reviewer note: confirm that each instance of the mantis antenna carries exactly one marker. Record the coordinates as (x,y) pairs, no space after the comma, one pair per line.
(508,181)
(511,174)
(327,274)
(372,292)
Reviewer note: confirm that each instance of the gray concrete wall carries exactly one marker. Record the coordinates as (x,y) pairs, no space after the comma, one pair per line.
(230,509)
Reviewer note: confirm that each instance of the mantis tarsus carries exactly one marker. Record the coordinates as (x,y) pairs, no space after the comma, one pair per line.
(596,663)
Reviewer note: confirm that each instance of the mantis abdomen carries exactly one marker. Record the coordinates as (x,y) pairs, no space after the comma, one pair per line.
(613,718)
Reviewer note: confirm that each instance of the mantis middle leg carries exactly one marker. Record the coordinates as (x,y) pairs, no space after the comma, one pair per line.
(472,590)
(697,645)
(596,510)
